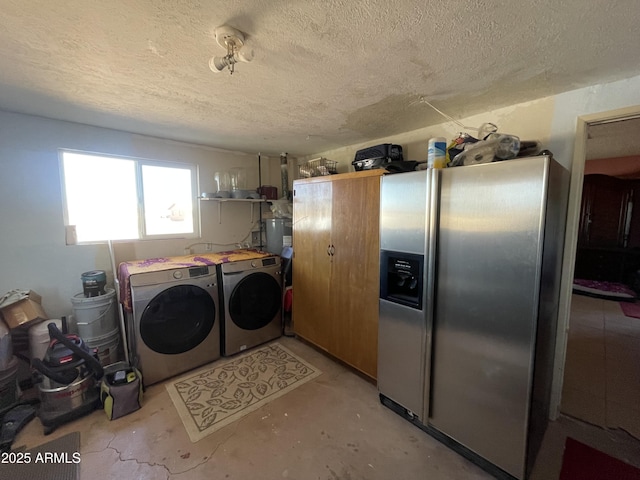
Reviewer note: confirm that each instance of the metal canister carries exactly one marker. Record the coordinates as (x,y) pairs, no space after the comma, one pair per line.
(93,283)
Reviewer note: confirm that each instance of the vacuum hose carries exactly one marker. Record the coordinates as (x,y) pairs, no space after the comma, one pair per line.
(64,377)
(92,363)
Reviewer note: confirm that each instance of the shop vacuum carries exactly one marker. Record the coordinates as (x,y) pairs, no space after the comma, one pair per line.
(68,386)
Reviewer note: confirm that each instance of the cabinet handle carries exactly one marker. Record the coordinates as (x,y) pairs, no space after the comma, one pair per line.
(333,250)
(328,249)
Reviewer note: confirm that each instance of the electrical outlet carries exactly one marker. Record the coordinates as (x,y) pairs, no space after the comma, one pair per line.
(208,247)
(255,238)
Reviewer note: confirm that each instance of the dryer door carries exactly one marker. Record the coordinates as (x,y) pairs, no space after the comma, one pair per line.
(255,301)
(178,319)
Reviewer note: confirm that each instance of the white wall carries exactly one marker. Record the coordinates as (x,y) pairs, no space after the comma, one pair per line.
(529,121)
(33,254)
(550,120)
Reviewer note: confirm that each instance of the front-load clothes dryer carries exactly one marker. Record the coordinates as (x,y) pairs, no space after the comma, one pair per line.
(174,326)
(251,295)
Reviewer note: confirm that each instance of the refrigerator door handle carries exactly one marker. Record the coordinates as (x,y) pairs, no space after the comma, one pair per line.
(430,276)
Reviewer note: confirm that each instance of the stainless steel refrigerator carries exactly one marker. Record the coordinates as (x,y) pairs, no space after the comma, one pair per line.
(470,267)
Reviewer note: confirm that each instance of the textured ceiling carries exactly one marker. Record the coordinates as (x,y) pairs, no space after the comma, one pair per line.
(326,73)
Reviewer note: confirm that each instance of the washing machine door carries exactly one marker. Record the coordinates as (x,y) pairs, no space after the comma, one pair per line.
(255,301)
(177,319)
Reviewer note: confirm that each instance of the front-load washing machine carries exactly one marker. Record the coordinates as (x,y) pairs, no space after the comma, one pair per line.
(174,326)
(251,295)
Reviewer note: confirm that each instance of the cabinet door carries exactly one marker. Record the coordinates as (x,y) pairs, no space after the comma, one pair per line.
(311,263)
(355,271)
(605,205)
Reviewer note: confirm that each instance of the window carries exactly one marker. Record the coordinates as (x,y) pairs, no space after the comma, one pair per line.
(121,198)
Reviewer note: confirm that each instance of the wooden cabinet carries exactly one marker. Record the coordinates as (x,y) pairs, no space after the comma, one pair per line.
(336,265)
(311,273)
(606,211)
(609,230)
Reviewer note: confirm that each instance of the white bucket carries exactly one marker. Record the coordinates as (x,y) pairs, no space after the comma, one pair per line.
(95,316)
(39,338)
(108,347)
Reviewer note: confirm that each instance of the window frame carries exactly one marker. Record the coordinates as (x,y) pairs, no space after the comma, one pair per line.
(139,162)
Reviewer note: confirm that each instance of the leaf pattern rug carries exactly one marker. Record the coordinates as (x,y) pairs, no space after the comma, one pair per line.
(229,389)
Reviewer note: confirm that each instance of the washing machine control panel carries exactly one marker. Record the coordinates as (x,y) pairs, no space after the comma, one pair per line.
(193,272)
(198,271)
(263,262)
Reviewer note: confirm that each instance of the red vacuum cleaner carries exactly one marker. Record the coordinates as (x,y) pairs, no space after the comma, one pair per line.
(69,387)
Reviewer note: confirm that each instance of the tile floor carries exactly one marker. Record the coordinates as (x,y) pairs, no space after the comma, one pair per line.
(602,366)
(332,427)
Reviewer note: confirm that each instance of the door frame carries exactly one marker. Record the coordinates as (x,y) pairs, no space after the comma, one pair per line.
(571,241)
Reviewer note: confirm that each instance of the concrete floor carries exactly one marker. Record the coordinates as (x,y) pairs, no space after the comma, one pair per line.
(332,427)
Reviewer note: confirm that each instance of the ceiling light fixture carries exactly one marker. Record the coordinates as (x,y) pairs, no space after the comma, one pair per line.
(237,51)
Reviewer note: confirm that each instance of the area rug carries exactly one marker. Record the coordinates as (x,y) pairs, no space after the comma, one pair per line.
(603,289)
(630,309)
(58,459)
(225,391)
(581,462)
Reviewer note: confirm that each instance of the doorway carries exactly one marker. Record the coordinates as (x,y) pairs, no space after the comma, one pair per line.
(601,382)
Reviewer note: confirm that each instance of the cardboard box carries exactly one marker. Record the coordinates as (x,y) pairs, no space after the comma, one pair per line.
(24,311)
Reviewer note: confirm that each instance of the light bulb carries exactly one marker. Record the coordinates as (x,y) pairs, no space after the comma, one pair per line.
(217,64)
(244,54)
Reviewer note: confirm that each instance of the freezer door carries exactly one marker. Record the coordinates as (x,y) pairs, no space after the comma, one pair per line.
(400,352)
(403,212)
(487,290)
(404,299)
